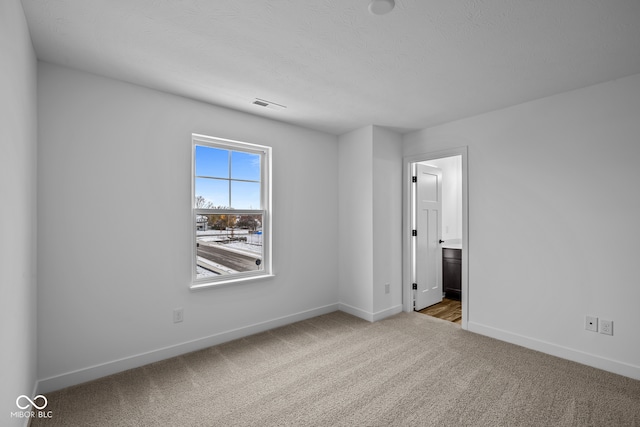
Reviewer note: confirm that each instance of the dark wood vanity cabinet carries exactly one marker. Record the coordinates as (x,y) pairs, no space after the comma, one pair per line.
(452,272)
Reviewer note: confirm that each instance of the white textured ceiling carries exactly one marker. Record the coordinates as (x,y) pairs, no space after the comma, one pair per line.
(335,66)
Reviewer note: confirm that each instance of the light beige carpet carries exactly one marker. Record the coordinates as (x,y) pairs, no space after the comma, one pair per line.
(337,370)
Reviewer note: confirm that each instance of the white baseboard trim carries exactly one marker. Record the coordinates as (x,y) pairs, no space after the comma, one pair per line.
(382,314)
(368,316)
(355,311)
(610,365)
(79,376)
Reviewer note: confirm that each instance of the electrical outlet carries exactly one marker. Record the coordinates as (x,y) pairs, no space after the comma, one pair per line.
(178,315)
(387,288)
(606,327)
(591,323)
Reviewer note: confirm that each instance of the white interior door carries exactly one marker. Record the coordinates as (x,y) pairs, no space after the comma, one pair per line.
(428,222)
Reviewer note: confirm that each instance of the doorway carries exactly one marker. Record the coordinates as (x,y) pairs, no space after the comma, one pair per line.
(423,241)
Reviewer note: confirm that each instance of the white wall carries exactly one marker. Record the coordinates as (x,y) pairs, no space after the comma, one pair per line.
(370,200)
(553,221)
(18,145)
(356,222)
(387,222)
(115,242)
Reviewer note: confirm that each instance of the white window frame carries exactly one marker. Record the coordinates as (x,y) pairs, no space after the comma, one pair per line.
(265,211)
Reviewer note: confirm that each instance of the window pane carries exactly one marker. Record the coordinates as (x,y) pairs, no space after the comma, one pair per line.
(245,166)
(228,244)
(245,195)
(211,193)
(212,162)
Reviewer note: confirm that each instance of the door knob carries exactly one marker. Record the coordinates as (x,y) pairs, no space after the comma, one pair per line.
(441,241)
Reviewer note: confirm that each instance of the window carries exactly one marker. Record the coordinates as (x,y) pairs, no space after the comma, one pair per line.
(231,211)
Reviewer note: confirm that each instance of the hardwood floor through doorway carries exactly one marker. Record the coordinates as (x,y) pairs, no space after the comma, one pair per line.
(448,309)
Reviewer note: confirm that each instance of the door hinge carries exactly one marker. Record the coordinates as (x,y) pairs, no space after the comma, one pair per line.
(414,233)
(414,179)
(414,286)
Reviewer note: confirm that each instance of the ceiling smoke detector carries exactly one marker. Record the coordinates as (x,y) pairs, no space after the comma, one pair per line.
(381,7)
(268,104)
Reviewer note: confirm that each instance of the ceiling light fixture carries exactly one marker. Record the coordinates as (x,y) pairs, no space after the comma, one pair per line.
(381,7)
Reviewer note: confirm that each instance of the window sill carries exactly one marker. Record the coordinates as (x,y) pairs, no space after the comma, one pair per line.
(208,285)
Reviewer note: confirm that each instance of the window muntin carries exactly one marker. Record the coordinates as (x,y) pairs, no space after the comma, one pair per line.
(227,178)
(231,210)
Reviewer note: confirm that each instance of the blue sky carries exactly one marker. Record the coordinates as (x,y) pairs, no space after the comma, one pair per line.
(218,169)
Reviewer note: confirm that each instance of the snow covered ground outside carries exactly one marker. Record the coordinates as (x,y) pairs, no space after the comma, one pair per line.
(253,243)
(203,272)
(245,246)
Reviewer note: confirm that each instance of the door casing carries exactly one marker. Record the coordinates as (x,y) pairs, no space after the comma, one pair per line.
(407,253)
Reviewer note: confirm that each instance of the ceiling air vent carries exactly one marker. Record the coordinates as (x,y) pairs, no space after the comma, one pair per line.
(268,104)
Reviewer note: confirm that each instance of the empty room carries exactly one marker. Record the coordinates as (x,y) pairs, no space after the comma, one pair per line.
(229,212)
